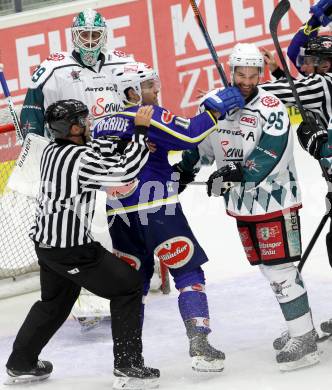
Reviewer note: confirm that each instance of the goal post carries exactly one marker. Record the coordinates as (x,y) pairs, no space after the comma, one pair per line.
(18,261)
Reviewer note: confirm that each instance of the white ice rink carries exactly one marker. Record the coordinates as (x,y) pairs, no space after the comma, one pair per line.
(245,316)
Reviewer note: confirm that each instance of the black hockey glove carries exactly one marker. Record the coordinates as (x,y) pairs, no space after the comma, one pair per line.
(221,180)
(312,135)
(185,176)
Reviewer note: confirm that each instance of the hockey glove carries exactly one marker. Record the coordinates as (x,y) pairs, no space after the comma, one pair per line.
(225,100)
(185,178)
(323,11)
(221,180)
(312,135)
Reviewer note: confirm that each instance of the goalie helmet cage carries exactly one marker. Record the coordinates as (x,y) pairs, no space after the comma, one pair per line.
(18,262)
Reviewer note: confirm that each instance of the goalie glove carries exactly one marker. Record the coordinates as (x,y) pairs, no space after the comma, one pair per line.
(323,11)
(225,100)
(312,135)
(221,180)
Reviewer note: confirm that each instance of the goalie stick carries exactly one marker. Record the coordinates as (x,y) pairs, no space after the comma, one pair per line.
(18,131)
(280,10)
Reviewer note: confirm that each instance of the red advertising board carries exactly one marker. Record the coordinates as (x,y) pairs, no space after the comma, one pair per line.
(163,33)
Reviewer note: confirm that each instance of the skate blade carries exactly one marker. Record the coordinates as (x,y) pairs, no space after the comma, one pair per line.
(324,337)
(126,383)
(200,364)
(24,379)
(308,360)
(89,324)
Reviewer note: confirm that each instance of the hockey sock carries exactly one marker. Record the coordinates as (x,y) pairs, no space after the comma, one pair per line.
(290,291)
(192,302)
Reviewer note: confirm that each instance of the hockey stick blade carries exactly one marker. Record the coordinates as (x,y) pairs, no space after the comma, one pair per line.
(278,13)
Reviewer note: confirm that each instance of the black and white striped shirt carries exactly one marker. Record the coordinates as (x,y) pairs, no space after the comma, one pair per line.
(70,176)
(315,92)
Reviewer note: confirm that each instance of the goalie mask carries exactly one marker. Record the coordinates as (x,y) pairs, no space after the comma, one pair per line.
(246,55)
(63,114)
(133,75)
(317,52)
(89,34)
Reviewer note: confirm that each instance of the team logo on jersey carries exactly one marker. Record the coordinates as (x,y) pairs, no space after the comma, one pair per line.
(249,120)
(175,252)
(133,261)
(120,53)
(27,127)
(167,117)
(56,57)
(270,101)
(75,74)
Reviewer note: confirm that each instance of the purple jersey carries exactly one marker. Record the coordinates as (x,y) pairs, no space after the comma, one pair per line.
(168,132)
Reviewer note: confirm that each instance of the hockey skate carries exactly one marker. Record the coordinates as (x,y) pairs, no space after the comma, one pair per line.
(88,323)
(40,372)
(298,352)
(205,358)
(136,378)
(326,326)
(280,342)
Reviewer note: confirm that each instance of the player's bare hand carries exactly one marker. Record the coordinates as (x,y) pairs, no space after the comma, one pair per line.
(269,59)
(143,116)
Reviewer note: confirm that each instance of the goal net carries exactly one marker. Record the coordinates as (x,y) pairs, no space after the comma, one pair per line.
(18,261)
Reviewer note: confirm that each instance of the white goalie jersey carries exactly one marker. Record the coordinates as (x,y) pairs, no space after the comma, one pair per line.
(64,76)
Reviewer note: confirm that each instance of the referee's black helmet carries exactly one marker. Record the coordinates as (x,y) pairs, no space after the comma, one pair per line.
(63,114)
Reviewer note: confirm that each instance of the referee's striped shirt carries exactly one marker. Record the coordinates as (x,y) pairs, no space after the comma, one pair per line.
(70,176)
(315,93)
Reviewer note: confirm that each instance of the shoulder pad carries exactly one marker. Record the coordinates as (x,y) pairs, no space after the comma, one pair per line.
(54,60)
(119,56)
(269,102)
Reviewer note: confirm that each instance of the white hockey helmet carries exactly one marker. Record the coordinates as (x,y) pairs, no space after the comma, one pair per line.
(131,75)
(89,34)
(246,54)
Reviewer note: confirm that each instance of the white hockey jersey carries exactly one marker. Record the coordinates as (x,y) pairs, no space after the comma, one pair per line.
(64,76)
(260,137)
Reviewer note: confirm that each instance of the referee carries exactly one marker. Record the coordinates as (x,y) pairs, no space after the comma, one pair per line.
(72,169)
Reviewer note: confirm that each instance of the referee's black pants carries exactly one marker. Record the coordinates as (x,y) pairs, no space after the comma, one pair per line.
(62,274)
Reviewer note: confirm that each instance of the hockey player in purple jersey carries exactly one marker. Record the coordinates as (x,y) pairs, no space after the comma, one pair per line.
(321,16)
(148,221)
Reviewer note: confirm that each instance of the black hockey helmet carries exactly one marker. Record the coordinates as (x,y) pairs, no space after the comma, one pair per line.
(317,52)
(61,115)
(320,46)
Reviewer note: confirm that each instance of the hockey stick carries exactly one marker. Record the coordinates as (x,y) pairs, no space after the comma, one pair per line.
(280,10)
(209,42)
(18,131)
